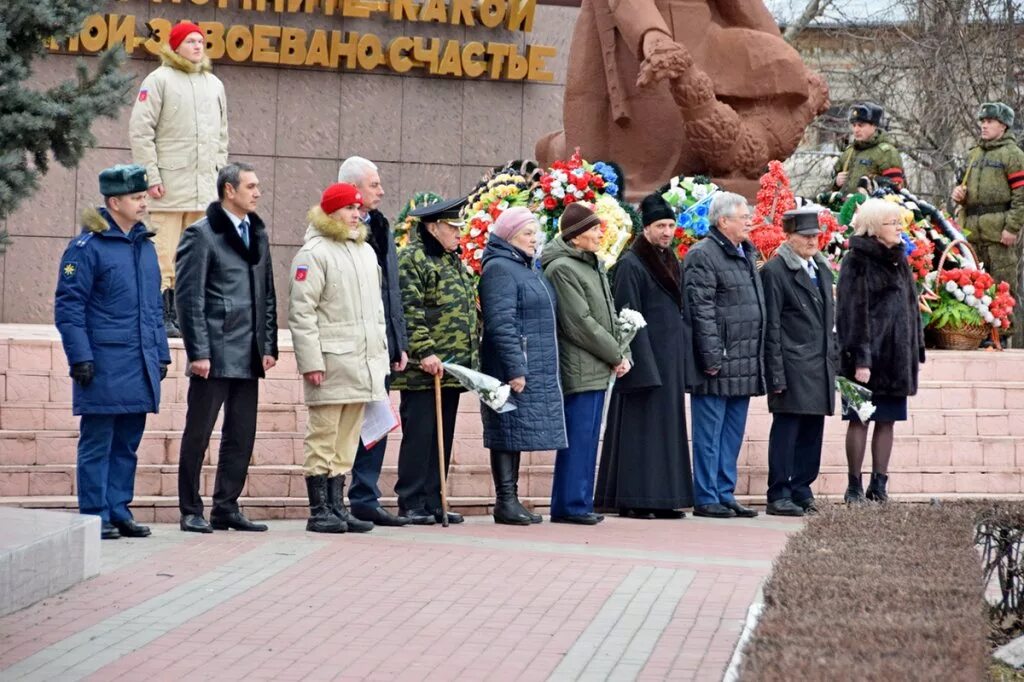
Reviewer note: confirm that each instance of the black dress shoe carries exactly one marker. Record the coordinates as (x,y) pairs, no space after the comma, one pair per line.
(194,523)
(236,521)
(109,532)
(741,511)
(635,513)
(453,517)
(579,519)
(784,507)
(418,517)
(130,529)
(713,511)
(807,505)
(668,514)
(379,516)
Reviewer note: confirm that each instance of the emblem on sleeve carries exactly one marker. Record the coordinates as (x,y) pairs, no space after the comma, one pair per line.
(69,270)
(300,273)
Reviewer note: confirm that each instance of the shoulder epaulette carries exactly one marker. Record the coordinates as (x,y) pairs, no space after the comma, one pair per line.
(885,146)
(84,238)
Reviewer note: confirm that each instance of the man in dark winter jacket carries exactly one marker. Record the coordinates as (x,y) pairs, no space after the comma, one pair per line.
(227,313)
(363,494)
(110,317)
(726,303)
(800,361)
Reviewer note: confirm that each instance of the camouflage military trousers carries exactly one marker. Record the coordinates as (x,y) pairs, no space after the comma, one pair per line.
(1004,264)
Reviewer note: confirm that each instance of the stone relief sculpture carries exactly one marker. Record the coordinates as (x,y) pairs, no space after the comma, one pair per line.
(670,87)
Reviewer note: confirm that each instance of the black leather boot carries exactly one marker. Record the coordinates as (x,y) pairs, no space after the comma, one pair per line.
(876,489)
(336,503)
(506,510)
(534,518)
(321,520)
(170,315)
(854,490)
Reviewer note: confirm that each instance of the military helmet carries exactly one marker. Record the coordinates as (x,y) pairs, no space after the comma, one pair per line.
(866,112)
(997,110)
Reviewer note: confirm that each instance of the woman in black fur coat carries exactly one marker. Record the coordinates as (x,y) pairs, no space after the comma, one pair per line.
(881,340)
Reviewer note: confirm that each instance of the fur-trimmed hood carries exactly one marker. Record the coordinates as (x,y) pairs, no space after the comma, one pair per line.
(97,221)
(322,224)
(174,60)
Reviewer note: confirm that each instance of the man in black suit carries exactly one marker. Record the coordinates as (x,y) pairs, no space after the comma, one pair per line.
(800,361)
(227,314)
(363,494)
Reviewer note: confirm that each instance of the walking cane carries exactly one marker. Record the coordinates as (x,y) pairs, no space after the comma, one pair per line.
(440,450)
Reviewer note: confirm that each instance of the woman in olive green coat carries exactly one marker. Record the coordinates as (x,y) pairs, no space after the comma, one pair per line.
(588,350)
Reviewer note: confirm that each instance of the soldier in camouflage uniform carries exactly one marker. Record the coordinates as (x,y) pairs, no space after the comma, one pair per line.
(439,298)
(871,154)
(992,195)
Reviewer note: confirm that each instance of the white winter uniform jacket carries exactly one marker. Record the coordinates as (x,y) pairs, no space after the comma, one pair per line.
(336,314)
(179,132)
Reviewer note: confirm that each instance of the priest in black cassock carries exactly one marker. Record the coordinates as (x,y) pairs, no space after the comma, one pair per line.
(645,460)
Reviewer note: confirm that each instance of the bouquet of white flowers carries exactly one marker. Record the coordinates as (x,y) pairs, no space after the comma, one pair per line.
(630,322)
(489,390)
(856,398)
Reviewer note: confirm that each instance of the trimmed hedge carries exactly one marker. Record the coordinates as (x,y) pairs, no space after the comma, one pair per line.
(880,592)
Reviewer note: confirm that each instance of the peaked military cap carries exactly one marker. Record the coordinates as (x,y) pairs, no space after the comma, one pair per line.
(997,110)
(448,210)
(866,112)
(123,179)
(803,220)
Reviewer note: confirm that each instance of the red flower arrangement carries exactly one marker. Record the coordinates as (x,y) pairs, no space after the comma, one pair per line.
(566,182)
(921,259)
(773,199)
(969,296)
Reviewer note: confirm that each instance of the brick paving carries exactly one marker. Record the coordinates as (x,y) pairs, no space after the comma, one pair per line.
(646,600)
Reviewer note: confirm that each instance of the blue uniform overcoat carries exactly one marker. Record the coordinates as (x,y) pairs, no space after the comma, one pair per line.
(108,311)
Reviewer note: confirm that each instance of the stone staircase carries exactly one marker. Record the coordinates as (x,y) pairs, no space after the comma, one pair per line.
(961,439)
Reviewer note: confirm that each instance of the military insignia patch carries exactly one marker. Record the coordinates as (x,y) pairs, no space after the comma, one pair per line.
(300,273)
(70,270)
(143,94)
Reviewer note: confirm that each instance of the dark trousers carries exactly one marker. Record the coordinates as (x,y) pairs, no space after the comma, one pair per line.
(794,455)
(419,477)
(363,493)
(107,446)
(239,397)
(572,488)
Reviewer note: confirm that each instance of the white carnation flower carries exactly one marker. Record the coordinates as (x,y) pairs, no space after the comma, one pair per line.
(969,289)
(959,295)
(986,299)
(951,286)
(969,299)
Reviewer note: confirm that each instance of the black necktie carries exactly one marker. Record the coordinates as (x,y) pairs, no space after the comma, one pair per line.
(243,231)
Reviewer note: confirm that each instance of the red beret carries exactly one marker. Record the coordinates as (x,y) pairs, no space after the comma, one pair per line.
(340,195)
(181,30)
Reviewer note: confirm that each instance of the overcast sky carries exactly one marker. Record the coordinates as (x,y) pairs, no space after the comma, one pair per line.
(842,11)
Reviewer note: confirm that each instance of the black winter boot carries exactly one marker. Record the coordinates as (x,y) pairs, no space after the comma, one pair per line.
(876,489)
(336,503)
(854,490)
(534,518)
(321,520)
(170,315)
(506,510)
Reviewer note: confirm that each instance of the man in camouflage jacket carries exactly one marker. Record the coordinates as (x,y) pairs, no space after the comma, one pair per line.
(992,195)
(439,298)
(871,154)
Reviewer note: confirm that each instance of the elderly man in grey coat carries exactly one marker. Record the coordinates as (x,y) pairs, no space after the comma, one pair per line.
(726,304)
(800,361)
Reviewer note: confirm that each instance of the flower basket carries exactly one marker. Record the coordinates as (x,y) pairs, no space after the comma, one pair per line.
(966,337)
(970,305)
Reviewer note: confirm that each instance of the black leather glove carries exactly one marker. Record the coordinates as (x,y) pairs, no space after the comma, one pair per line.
(163,371)
(82,373)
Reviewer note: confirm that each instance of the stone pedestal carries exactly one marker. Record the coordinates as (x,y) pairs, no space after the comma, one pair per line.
(43,553)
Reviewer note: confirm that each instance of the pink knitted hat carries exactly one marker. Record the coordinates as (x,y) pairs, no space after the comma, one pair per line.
(512,221)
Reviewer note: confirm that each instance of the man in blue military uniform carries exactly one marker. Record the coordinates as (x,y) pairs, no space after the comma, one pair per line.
(110,317)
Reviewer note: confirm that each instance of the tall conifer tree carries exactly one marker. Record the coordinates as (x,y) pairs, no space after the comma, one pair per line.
(40,126)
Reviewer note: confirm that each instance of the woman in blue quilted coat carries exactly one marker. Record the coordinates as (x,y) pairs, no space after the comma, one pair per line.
(520,348)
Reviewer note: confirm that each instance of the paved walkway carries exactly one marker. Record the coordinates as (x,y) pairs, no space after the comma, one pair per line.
(624,600)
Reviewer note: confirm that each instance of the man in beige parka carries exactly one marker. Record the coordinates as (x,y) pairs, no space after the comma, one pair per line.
(179,133)
(336,317)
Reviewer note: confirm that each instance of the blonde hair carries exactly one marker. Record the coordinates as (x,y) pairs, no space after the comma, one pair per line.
(871,214)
